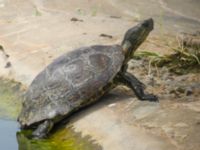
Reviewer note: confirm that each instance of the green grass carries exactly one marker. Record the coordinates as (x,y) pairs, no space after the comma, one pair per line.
(180,61)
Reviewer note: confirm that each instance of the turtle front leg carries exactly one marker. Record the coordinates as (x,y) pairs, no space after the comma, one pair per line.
(137,86)
(43,129)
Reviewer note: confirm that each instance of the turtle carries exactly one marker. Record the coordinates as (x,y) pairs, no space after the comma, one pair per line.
(79,78)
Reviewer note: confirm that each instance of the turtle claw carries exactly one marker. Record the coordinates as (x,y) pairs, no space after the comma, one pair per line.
(150,97)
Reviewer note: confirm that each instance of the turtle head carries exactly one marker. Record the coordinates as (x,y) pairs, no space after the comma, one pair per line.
(135,36)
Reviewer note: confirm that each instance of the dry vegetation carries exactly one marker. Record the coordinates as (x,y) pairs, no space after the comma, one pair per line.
(183,58)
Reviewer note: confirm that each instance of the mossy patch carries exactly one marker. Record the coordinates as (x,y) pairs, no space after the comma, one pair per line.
(10,98)
(64,139)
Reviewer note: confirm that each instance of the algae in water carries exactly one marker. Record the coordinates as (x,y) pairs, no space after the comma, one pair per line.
(63,139)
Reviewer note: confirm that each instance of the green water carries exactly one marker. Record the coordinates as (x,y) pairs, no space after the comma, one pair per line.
(11,138)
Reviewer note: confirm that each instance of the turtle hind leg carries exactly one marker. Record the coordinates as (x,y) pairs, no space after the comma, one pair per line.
(43,129)
(137,86)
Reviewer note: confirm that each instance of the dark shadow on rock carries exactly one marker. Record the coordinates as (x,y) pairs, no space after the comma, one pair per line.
(114,96)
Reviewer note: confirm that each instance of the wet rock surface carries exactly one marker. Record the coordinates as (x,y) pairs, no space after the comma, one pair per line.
(34,32)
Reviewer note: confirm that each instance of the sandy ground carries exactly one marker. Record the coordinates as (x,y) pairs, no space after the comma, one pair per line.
(34,32)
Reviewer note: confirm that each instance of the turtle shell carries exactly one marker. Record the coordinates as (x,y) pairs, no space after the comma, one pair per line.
(71,81)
